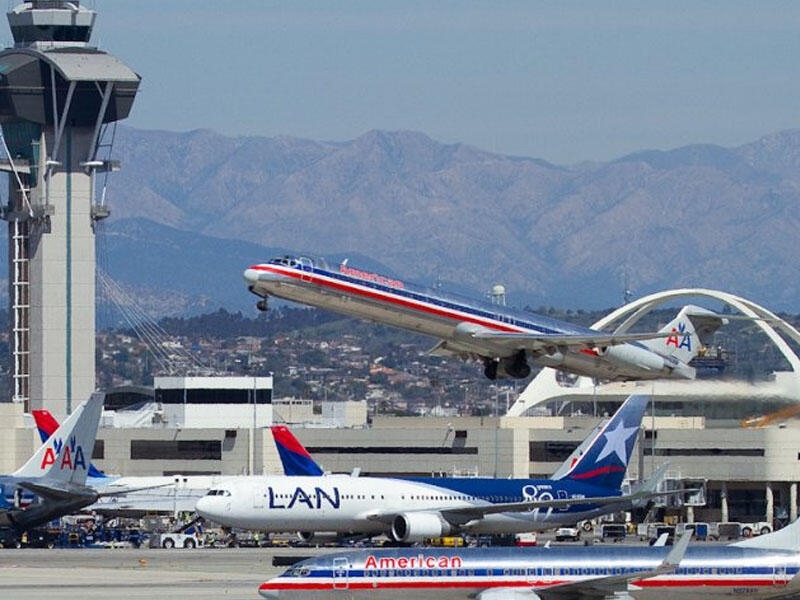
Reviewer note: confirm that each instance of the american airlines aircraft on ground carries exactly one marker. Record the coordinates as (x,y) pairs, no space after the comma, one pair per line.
(411,509)
(762,567)
(503,338)
(136,496)
(56,473)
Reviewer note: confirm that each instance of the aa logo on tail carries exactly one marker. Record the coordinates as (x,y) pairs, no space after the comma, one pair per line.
(70,457)
(679,338)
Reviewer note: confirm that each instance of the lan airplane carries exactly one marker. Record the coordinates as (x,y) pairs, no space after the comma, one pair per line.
(56,473)
(503,338)
(762,567)
(411,509)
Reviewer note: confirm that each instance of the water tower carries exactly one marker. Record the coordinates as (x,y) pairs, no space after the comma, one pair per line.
(57,93)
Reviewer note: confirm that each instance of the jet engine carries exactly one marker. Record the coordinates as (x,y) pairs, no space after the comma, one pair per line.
(415,527)
(515,366)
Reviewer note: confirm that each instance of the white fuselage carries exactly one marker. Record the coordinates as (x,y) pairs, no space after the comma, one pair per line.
(519,573)
(348,504)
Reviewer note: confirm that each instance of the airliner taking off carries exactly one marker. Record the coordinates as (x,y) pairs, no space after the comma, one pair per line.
(411,509)
(504,339)
(762,567)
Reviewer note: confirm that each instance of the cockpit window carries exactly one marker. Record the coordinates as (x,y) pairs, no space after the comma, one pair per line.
(299,572)
(218,493)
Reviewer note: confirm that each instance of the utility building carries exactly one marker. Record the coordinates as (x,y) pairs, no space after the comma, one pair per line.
(57,94)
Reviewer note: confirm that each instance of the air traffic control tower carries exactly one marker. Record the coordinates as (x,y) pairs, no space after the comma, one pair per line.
(57,94)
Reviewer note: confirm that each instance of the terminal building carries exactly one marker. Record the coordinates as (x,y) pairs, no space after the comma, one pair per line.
(191,425)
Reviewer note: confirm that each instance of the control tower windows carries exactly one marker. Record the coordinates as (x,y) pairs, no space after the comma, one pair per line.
(26,34)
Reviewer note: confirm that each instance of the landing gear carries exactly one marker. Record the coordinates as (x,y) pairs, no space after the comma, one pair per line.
(519,367)
(515,366)
(262,305)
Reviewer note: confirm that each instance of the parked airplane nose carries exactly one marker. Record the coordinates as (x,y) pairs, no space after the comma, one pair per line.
(265,592)
(208,507)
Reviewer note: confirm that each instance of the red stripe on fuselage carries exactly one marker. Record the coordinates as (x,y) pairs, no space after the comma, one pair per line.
(376,583)
(594,473)
(387,298)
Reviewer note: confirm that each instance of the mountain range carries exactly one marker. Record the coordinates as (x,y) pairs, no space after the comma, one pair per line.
(189,211)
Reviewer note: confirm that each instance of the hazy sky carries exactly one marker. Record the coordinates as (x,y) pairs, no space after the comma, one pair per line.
(564,81)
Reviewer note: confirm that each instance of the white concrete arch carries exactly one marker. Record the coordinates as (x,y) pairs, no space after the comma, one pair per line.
(545,387)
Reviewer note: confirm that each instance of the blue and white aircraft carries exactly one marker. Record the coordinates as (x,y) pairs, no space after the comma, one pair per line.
(412,509)
(762,567)
(502,338)
(56,473)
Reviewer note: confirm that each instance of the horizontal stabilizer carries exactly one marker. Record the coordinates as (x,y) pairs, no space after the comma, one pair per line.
(787,538)
(59,491)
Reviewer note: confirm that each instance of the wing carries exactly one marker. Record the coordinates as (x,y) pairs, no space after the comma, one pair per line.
(539,342)
(608,586)
(60,492)
(459,516)
(471,339)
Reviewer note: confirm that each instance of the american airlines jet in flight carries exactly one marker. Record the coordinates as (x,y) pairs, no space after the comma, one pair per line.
(762,567)
(409,509)
(504,339)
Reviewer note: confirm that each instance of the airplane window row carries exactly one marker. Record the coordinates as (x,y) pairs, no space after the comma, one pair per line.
(417,573)
(424,497)
(711,570)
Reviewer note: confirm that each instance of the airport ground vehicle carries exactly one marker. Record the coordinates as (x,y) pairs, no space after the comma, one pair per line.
(568,534)
(176,540)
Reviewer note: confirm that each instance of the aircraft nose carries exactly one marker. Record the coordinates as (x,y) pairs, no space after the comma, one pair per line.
(251,275)
(207,507)
(265,592)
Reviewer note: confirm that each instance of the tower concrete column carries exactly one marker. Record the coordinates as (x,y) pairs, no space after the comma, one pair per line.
(57,94)
(793,502)
(723,503)
(770,502)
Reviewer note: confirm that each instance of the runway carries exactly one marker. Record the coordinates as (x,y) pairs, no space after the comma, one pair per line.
(88,574)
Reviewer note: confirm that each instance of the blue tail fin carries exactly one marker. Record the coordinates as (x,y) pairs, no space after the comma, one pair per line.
(606,459)
(295,458)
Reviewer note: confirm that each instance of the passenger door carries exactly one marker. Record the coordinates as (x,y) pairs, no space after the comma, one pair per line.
(341,573)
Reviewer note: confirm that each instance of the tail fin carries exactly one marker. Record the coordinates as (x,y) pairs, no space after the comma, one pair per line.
(47,425)
(606,459)
(562,470)
(787,538)
(295,458)
(690,330)
(65,456)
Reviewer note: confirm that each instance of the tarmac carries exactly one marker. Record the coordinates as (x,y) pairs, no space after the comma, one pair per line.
(134,574)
